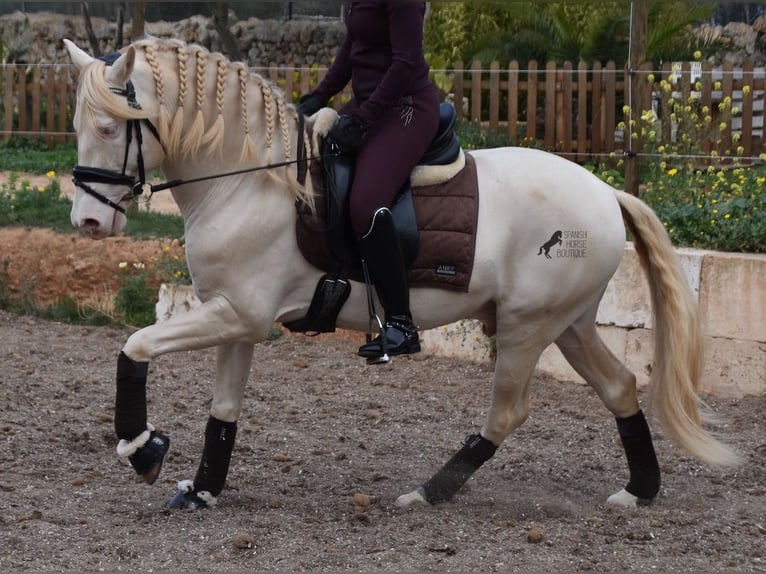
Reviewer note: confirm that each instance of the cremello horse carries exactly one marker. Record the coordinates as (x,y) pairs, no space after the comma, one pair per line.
(208,115)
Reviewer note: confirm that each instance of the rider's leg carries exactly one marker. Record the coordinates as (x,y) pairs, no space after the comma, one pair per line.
(382,253)
(384,162)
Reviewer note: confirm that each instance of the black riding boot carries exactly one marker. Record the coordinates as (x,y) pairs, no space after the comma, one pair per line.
(383,256)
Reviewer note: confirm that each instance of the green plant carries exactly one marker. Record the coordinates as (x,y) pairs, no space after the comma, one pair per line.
(23,204)
(473,135)
(6,294)
(135,301)
(35,156)
(702,192)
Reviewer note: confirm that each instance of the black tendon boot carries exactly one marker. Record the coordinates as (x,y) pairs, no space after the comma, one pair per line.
(203,491)
(385,262)
(642,461)
(139,442)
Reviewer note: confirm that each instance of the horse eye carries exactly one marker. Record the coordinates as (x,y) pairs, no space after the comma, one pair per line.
(108,131)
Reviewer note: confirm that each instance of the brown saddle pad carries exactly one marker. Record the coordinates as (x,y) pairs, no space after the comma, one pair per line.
(446,214)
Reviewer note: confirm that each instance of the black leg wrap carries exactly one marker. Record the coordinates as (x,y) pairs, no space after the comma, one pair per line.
(216,456)
(130,399)
(452,476)
(642,460)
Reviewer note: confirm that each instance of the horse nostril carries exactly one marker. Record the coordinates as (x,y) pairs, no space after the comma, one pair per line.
(89,226)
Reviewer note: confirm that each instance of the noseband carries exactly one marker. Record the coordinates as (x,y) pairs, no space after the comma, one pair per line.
(83,175)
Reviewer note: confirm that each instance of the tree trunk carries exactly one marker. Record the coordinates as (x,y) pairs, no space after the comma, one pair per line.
(94,47)
(139,21)
(118,39)
(229,43)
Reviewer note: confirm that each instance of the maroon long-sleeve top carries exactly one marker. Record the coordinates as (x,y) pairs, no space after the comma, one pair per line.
(382,56)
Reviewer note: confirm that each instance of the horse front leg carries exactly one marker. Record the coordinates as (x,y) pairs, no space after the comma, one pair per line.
(211,324)
(232,370)
(508,410)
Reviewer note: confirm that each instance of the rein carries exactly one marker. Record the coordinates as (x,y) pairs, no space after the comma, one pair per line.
(301,159)
(83,175)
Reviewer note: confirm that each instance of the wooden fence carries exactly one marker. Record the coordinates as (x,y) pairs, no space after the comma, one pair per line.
(573,111)
(37,101)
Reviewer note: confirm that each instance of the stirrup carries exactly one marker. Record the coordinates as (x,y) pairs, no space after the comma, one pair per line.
(384,357)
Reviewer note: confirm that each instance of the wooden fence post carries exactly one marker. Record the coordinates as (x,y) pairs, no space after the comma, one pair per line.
(639,16)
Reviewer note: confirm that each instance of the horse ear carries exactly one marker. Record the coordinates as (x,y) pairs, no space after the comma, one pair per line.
(119,72)
(80,58)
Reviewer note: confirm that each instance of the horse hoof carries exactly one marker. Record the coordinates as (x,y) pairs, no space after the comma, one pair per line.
(147,460)
(622,499)
(417,496)
(188,499)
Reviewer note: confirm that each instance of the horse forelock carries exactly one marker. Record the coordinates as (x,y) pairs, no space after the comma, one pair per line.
(197,123)
(94,93)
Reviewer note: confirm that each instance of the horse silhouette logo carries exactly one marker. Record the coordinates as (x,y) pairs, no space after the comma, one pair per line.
(546,247)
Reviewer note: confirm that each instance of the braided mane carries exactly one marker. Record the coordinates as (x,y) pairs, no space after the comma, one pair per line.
(193,87)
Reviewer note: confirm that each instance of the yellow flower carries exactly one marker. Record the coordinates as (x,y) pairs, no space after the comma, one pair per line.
(745,90)
(41,189)
(672,171)
(727,216)
(650,78)
(697,55)
(51,174)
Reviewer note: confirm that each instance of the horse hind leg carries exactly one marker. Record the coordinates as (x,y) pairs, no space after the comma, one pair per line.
(508,410)
(584,349)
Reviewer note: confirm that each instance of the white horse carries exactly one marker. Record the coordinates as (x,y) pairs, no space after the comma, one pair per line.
(208,115)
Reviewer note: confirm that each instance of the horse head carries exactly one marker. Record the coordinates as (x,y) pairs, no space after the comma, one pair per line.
(115,103)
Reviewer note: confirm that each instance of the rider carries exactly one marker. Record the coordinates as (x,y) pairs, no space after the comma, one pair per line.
(389,123)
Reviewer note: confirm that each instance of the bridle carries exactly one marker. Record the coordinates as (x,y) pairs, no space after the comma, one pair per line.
(83,175)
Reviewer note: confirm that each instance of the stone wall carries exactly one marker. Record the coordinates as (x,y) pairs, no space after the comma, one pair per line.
(296,42)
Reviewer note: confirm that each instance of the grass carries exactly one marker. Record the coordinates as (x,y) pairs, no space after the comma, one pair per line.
(23,155)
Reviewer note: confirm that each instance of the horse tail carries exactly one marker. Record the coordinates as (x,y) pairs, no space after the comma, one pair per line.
(678,338)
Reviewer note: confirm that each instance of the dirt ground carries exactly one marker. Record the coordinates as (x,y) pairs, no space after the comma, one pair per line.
(319,426)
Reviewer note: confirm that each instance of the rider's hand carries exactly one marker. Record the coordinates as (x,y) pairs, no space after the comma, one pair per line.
(308,105)
(348,134)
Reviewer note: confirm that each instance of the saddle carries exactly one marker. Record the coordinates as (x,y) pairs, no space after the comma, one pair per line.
(435,214)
